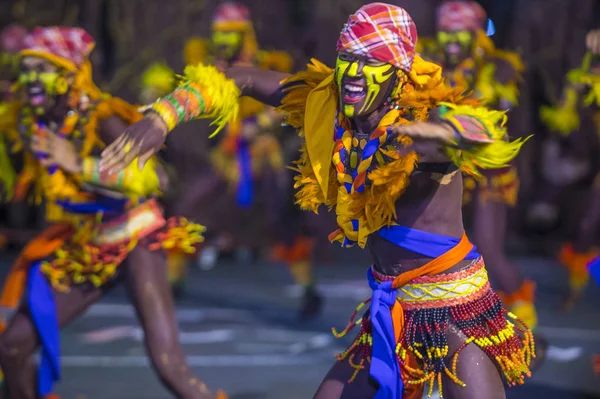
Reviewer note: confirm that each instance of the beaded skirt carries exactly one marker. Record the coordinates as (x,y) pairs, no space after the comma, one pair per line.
(431,305)
(97,249)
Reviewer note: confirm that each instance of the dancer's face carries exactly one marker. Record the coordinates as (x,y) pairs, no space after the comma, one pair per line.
(457,45)
(43,82)
(364,83)
(227,45)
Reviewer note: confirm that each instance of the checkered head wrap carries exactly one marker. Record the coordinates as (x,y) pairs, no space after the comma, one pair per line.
(453,16)
(68,47)
(231,16)
(383,32)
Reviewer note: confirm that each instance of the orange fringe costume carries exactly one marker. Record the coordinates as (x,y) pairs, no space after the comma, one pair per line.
(91,233)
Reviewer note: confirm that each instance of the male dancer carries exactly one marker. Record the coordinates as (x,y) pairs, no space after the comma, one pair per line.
(99,222)
(374,130)
(249,162)
(470,59)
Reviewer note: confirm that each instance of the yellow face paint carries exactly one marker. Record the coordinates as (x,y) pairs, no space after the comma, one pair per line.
(48,79)
(463,37)
(375,77)
(341,66)
(230,42)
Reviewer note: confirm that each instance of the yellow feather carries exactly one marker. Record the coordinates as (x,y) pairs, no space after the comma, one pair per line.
(223,94)
(563,119)
(160,76)
(497,154)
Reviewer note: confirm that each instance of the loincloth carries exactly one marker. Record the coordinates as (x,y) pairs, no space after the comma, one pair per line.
(97,249)
(500,185)
(432,304)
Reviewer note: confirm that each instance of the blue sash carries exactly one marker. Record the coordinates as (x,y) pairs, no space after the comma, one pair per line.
(421,242)
(245,189)
(43,313)
(385,368)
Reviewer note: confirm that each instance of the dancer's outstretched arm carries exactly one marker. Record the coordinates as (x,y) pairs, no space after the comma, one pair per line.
(204,92)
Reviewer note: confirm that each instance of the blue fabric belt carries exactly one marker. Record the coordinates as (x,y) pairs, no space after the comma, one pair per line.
(43,313)
(385,368)
(245,189)
(421,242)
(594,269)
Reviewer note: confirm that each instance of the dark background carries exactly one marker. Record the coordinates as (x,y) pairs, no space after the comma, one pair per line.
(132,33)
(255,304)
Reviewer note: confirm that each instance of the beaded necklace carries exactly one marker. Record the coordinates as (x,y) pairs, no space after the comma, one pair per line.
(352,168)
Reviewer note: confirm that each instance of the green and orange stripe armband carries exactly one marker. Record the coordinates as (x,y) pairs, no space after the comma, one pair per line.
(90,169)
(130,181)
(203,92)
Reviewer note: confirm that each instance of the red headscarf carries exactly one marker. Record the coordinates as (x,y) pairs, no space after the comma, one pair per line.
(455,16)
(65,46)
(383,32)
(230,15)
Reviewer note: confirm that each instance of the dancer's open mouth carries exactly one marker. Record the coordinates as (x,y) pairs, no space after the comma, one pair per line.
(36,95)
(453,49)
(353,91)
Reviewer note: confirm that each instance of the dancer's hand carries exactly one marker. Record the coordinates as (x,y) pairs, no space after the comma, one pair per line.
(592,41)
(142,139)
(59,152)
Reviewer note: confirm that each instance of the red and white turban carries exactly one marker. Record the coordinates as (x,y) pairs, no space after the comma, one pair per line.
(383,32)
(67,47)
(232,16)
(453,16)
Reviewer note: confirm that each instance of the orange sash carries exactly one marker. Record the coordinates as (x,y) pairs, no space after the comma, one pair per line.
(40,247)
(436,266)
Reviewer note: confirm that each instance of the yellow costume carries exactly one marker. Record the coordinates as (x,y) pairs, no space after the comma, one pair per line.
(477,73)
(363,188)
(582,89)
(104,216)
(253,118)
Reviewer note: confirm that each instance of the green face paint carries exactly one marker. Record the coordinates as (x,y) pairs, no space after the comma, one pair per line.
(47,79)
(363,84)
(42,82)
(457,46)
(375,77)
(342,68)
(228,44)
